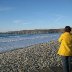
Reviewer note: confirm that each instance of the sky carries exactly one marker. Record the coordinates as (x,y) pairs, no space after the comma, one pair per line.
(34,14)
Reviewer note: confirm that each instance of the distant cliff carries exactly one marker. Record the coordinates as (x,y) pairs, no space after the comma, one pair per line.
(36,31)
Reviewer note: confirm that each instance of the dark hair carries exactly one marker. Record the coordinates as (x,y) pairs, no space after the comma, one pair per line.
(67,29)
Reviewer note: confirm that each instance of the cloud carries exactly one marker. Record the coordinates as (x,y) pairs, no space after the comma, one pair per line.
(59,18)
(5,8)
(20,22)
(17,21)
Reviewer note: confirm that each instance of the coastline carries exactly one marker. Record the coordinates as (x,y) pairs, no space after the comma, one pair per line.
(35,58)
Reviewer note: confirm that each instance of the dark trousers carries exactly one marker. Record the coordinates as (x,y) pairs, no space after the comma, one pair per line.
(66,60)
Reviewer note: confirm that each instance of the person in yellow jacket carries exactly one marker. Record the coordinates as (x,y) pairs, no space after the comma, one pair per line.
(65,49)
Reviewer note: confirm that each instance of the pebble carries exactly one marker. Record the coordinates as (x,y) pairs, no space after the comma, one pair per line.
(31,59)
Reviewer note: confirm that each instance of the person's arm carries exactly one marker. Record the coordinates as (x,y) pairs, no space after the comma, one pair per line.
(60,38)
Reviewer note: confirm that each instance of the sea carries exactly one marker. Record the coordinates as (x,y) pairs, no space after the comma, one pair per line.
(14,41)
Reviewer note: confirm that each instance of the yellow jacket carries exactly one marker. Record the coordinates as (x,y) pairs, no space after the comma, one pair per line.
(66,44)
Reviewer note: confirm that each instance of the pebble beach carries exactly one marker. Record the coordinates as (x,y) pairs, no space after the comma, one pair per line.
(36,58)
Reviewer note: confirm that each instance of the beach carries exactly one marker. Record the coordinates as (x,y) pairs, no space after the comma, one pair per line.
(35,58)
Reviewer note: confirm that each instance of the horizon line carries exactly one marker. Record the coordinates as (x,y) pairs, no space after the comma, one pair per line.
(29,29)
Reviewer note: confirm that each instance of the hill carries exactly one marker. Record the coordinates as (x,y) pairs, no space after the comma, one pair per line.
(36,31)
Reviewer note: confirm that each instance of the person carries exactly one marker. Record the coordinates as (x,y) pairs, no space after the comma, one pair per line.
(65,50)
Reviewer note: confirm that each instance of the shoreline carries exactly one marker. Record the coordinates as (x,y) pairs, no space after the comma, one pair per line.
(22,48)
(28,46)
(32,58)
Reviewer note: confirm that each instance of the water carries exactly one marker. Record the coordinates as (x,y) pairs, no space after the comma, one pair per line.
(9,42)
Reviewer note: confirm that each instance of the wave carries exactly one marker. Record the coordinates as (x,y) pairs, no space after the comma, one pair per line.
(19,38)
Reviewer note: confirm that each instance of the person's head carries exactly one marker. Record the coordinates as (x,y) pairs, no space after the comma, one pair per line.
(67,29)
